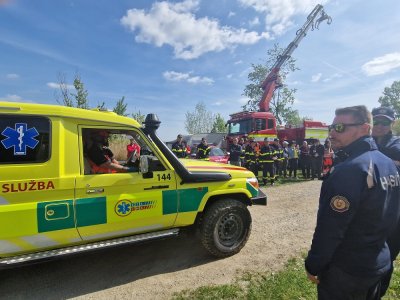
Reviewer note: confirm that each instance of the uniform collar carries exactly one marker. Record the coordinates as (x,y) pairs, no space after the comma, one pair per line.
(363,144)
(385,139)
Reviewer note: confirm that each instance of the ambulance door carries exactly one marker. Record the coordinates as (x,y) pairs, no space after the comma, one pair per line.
(37,191)
(117,204)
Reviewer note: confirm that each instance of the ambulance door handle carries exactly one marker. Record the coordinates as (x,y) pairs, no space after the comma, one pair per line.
(156,187)
(95,191)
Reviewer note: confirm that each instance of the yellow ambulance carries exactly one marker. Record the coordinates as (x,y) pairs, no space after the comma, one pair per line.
(68,183)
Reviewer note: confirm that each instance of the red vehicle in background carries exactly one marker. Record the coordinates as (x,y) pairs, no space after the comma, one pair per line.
(262,123)
(218,155)
(310,130)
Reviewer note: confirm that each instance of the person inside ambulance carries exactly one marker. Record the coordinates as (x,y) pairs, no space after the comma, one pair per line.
(101,158)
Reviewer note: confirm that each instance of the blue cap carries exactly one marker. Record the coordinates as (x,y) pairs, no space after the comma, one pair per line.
(385,112)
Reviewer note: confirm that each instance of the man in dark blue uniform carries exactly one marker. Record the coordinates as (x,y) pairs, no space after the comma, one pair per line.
(390,146)
(235,151)
(317,155)
(358,209)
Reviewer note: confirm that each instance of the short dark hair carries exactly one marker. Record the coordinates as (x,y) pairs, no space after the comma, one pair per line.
(359,112)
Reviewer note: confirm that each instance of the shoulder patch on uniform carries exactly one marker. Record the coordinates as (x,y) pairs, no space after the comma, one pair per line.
(340,204)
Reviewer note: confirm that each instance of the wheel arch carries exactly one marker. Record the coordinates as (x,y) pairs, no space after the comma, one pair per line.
(241,197)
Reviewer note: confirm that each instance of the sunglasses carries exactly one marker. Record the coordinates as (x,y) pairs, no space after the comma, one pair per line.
(383,122)
(340,127)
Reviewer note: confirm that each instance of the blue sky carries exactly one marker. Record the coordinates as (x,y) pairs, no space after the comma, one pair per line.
(165,57)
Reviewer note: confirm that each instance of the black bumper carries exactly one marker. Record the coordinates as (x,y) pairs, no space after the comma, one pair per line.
(260,199)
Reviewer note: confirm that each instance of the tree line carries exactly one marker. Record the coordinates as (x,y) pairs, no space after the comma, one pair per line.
(79,98)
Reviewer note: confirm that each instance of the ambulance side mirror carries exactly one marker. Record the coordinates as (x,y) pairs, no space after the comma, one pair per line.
(144,164)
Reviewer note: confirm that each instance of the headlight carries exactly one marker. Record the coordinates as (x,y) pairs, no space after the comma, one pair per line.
(253,181)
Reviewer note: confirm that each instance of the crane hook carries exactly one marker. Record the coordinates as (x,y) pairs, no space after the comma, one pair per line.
(322,18)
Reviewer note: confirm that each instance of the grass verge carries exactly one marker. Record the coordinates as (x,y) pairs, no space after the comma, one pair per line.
(288,284)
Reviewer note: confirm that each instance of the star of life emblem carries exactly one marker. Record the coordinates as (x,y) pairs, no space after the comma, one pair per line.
(20,138)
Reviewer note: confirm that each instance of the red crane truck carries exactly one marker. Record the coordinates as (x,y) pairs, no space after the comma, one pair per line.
(262,124)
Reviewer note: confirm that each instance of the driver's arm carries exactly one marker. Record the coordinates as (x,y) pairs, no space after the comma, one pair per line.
(114,165)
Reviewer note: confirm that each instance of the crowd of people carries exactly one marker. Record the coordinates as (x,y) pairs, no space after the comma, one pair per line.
(272,159)
(182,150)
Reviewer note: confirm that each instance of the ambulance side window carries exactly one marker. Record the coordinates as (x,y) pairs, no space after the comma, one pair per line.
(118,146)
(24,139)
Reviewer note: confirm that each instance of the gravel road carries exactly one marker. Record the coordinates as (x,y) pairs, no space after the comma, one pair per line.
(157,269)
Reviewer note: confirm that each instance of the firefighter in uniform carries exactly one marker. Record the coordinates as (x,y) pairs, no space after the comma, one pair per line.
(383,119)
(250,156)
(278,160)
(358,208)
(257,149)
(243,143)
(267,163)
(203,150)
(179,147)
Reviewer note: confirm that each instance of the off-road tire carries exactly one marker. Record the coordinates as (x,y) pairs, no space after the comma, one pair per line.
(226,227)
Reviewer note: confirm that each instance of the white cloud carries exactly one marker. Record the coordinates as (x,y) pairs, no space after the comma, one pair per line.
(229,76)
(383,64)
(176,25)
(187,77)
(254,22)
(12,76)
(231,14)
(316,77)
(336,75)
(217,103)
(12,98)
(238,62)
(54,85)
(278,13)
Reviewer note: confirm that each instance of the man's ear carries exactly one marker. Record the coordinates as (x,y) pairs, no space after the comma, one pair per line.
(367,128)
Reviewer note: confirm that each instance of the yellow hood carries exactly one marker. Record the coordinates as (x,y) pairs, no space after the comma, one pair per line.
(195,165)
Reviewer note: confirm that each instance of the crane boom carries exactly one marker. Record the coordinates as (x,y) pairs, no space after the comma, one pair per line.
(272,81)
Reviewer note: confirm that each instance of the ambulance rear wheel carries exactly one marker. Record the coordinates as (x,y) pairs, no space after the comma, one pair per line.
(226,227)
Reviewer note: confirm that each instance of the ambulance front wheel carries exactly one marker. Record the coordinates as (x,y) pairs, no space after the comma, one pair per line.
(226,227)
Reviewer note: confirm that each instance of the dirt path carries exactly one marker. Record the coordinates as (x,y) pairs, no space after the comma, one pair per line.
(157,269)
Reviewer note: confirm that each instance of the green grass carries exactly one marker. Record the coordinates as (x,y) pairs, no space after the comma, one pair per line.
(394,288)
(229,291)
(288,284)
